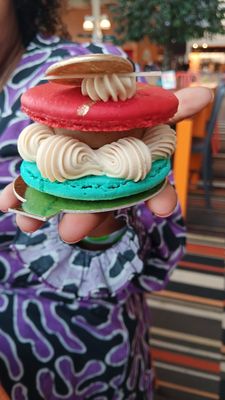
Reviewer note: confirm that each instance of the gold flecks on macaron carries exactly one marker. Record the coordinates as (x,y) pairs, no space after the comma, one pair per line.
(84,109)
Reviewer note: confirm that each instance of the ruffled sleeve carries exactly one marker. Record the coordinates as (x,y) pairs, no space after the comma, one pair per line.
(161,245)
(143,258)
(71,269)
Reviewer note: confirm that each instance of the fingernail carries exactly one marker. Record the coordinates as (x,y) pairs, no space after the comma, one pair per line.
(167,214)
(73,242)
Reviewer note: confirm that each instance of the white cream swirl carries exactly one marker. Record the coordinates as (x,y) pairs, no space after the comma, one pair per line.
(112,86)
(161,139)
(127,158)
(30,139)
(61,157)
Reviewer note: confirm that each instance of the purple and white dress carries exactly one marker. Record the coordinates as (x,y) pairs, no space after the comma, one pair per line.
(74,323)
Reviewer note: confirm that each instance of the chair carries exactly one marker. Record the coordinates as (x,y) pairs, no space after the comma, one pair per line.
(186,78)
(204,145)
(181,161)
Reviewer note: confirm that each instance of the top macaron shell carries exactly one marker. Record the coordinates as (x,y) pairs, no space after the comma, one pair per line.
(65,71)
(61,106)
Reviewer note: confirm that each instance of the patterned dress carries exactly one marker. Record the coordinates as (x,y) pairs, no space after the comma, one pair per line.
(74,323)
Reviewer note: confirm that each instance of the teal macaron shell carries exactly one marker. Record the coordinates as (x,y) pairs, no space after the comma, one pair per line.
(94,188)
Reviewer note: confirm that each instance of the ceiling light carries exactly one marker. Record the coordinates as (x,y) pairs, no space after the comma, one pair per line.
(105,22)
(88,24)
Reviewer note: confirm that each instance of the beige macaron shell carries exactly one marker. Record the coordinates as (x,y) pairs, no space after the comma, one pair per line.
(96,64)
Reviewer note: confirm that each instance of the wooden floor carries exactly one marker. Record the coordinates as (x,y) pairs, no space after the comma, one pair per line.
(205,226)
(201,219)
(186,335)
(204,220)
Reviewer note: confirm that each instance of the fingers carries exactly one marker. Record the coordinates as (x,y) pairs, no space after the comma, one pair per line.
(164,203)
(191,101)
(27,224)
(74,227)
(8,198)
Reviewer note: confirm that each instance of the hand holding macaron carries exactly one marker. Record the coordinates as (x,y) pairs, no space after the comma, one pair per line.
(99,141)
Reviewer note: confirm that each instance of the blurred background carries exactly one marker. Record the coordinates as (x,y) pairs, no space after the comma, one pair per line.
(185,40)
(148,31)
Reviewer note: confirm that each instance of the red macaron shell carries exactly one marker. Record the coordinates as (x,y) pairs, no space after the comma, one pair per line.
(60,106)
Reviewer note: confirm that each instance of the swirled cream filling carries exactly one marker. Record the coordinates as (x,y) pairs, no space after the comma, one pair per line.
(107,87)
(61,157)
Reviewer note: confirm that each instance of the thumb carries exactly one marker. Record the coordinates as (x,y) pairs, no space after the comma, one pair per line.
(163,203)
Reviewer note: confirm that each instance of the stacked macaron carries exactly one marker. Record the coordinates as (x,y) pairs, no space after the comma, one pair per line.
(98,135)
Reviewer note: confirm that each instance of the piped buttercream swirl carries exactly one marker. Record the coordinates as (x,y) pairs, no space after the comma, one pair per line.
(61,157)
(162,141)
(107,87)
(127,158)
(30,139)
